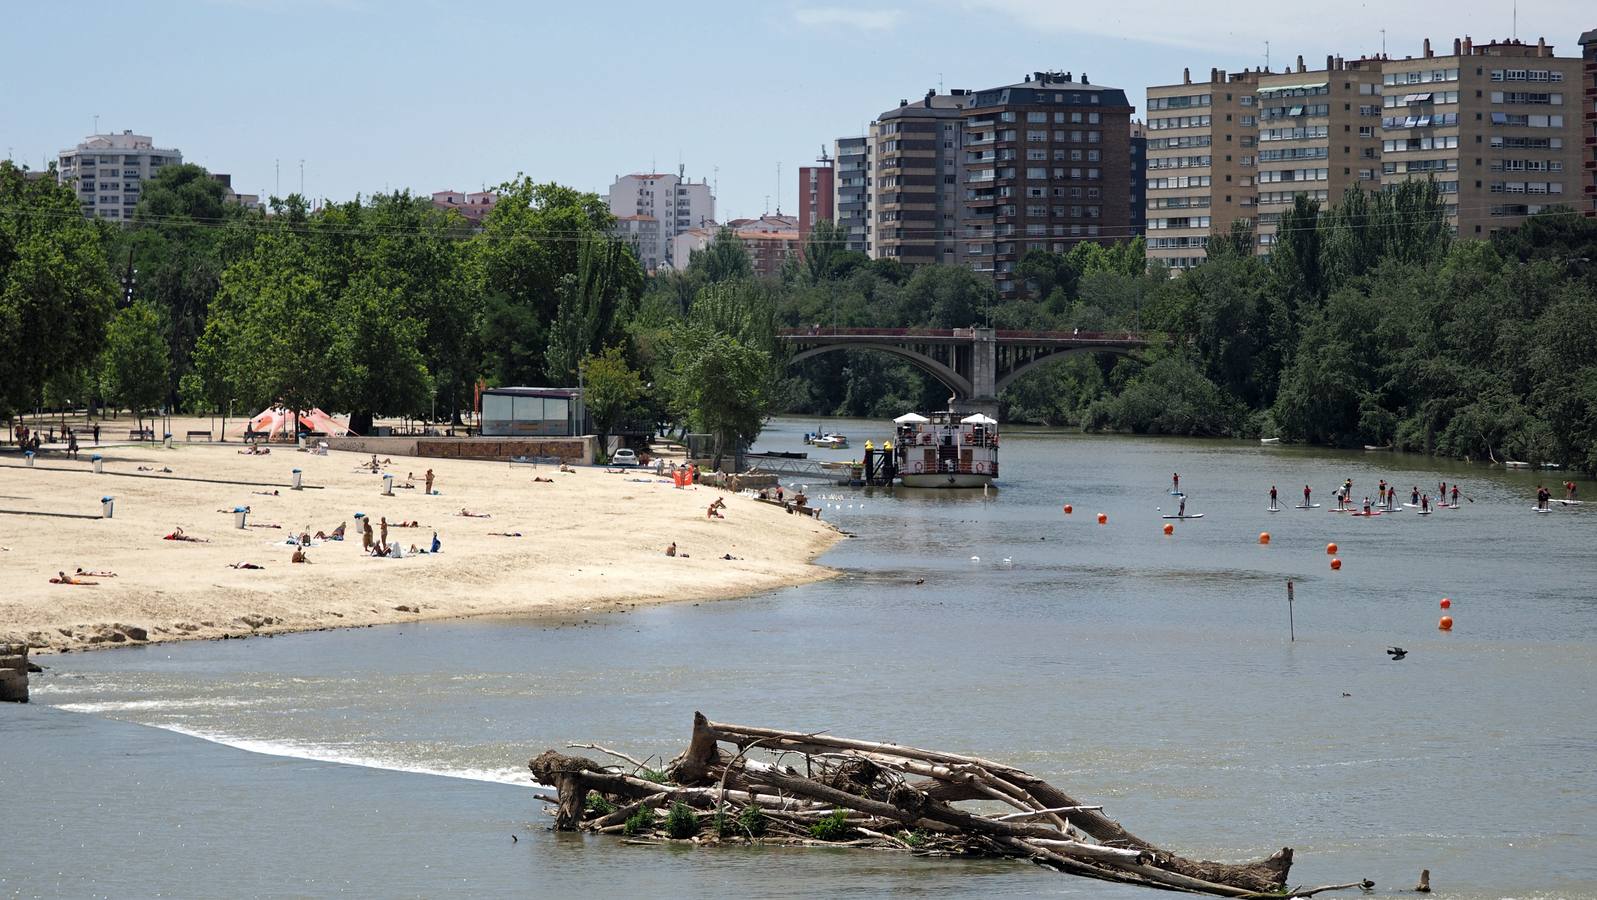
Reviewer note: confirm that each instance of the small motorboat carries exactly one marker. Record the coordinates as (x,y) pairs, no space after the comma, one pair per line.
(832,441)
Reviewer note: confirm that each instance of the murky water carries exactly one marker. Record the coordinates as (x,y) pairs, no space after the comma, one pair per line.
(1153,674)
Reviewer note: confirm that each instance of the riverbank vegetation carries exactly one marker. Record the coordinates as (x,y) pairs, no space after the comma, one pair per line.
(1367,323)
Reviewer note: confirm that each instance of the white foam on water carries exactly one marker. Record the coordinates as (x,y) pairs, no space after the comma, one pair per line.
(115,706)
(323,753)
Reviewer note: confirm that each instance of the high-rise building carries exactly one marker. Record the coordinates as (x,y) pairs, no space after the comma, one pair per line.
(817,196)
(109,170)
(1498,125)
(1046,165)
(675,202)
(1588,44)
(915,204)
(1139,174)
(852,190)
(1202,154)
(1319,134)
(642,234)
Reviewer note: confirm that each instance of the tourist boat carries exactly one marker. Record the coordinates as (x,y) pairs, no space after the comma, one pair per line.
(945,451)
(832,441)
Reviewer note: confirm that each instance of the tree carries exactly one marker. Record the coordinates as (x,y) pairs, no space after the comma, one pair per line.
(596,302)
(56,292)
(725,259)
(134,363)
(610,390)
(719,385)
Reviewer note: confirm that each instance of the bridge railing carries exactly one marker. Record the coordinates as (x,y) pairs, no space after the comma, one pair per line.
(1095,336)
(871,332)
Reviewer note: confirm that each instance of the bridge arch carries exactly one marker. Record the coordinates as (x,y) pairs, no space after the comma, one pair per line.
(1009,377)
(950,379)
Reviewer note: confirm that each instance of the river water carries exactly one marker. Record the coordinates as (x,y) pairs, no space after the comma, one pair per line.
(1151,673)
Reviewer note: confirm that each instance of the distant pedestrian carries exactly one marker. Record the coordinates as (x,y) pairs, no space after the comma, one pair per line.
(96,434)
(72,444)
(429,478)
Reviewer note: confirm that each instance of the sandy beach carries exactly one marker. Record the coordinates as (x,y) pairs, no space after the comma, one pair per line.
(590,540)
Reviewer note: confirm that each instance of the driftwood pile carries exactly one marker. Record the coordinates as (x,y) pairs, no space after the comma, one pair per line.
(840,792)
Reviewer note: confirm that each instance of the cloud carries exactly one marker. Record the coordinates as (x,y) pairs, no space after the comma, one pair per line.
(861,19)
(1242,28)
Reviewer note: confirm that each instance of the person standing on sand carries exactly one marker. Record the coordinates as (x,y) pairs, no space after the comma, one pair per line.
(429,480)
(96,434)
(383,523)
(366,536)
(72,444)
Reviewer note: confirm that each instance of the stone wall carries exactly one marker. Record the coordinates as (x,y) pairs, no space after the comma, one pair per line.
(13,671)
(571,449)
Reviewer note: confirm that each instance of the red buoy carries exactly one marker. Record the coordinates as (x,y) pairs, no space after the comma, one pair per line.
(1264,537)
(1446,624)
(1446,603)
(1169,529)
(1336,564)
(1069,509)
(1330,549)
(1103,519)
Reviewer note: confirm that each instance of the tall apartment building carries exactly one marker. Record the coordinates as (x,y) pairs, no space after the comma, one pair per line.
(642,234)
(852,192)
(1046,165)
(674,201)
(1498,125)
(1202,153)
(1139,174)
(1588,46)
(108,171)
(916,208)
(1319,134)
(817,195)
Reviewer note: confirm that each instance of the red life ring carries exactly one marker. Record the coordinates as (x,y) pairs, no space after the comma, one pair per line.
(917,468)
(981,468)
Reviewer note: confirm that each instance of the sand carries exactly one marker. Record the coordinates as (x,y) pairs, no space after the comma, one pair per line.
(591,542)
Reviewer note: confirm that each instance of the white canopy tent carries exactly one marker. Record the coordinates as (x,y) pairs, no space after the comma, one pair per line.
(911,419)
(978,419)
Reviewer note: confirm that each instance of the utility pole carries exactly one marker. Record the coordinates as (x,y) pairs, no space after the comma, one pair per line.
(302,178)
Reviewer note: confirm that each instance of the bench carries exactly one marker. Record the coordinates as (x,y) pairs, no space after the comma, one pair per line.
(146,434)
(193,434)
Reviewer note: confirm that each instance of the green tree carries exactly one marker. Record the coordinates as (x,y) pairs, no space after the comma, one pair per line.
(725,259)
(56,292)
(611,390)
(134,362)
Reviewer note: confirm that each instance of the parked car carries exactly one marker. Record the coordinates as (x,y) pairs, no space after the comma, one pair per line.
(624,458)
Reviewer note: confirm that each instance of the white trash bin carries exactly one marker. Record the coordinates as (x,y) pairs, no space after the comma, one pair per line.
(106,503)
(239,515)
(99,464)
(388,485)
(296,481)
(169,440)
(28,457)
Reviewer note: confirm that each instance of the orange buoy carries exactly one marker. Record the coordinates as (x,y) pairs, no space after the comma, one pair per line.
(1446,603)
(1264,537)
(1330,549)
(1069,509)
(1169,529)
(1336,564)
(1446,624)
(1103,519)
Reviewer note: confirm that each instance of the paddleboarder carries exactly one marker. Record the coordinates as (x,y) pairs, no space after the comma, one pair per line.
(1425,503)
(1272,498)
(1175,483)
(1181,511)
(1307,492)
(1414,496)
(1455,493)
(1542,496)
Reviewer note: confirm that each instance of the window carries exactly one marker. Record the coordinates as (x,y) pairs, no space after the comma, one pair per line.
(1036,118)
(1037,173)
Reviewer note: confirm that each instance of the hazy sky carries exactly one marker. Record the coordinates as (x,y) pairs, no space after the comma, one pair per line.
(429,94)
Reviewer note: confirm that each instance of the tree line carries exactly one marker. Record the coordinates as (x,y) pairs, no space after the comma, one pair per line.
(1366,323)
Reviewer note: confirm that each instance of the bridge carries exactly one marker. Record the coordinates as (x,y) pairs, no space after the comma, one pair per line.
(975,364)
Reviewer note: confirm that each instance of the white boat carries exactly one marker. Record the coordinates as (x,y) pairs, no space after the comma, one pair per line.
(1269,440)
(945,451)
(833,441)
(1516,464)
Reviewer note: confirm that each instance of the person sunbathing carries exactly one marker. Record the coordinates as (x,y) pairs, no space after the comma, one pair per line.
(64,578)
(179,535)
(411,524)
(539,479)
(164,469)
(567,469)
(504,534)
(671,550)
(304,538)
(299,556)
(94,574)
(244,565)
(266,493)
(337,534)
(471,515)
(246,509)
(262,525)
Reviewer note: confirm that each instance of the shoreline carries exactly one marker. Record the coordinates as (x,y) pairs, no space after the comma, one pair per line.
(590,542)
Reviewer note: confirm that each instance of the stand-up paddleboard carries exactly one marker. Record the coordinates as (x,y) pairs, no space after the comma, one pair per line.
(1423,512)
(1307,506)
(1193,516)
(1411,506)
(1365,515)
(1178,493)
(1447,506)
(1272,509)
(1568,502)
(1540,510)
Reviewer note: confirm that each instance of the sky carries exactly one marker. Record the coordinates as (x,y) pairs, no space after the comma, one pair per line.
(381,95)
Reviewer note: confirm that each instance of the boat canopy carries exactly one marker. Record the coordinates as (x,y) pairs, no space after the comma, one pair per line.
(911,419)
(978,419)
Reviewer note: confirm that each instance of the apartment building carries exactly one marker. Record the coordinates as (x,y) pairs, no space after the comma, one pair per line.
(1202,157)
(1046,164)
(851,189)
(1319,134)
(108,170)
(473,206)
(1498,125)
(1588,46)
(817,195)
(771,240)
(642,234)
(674,201)
(1139,173)
(915,204)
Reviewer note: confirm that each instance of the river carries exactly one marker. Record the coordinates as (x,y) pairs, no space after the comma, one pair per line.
(1151,673)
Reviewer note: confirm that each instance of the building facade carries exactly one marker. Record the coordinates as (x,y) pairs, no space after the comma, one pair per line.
(642,234)
(674,201)
(108,171)
(474,207)
(915,206)
(1139,174)
(1202,158)
(817,195)
(1588,46)
(851,190)
(1498,125)
(1047,165)
(1319,134)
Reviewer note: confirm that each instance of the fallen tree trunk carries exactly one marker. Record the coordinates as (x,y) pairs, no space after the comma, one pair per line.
(858,793)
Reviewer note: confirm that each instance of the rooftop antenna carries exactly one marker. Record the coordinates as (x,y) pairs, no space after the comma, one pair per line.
(1266,56)
(1383,43)
(1516,20)
(939,82)
(277,176)
(779,189)
(96,123)
(302,178)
